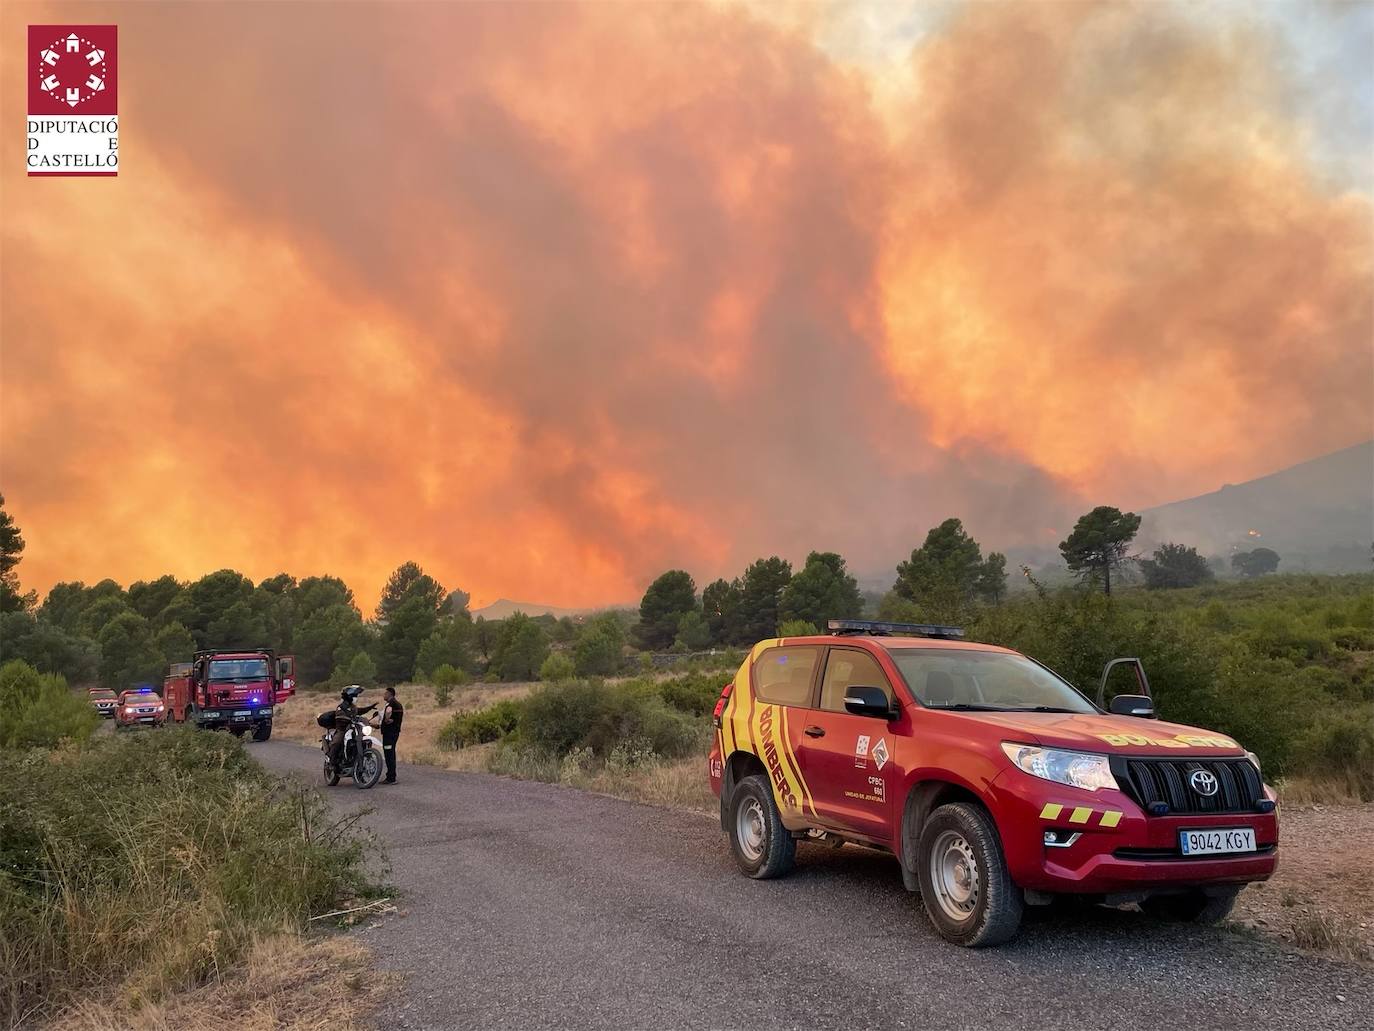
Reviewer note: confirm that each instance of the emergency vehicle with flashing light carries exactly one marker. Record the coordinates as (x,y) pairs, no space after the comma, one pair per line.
(994,782)
(234,690)
(139,706)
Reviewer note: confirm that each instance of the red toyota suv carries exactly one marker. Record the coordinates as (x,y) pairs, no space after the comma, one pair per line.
(994,782)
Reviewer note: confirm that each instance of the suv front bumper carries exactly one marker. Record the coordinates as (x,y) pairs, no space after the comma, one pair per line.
(1111,846)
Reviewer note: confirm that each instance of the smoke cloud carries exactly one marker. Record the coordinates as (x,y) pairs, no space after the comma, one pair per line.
(554,297)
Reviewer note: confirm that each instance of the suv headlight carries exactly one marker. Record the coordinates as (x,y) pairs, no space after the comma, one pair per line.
(1076,769)
(1254,759)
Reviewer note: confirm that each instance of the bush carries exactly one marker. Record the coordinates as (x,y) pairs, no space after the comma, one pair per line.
(557,667)
(1340,745)
(193,850)
(561,718)
(696,695)
(481,725)
(797,628)
(38,710)
(445,679)
(450,677)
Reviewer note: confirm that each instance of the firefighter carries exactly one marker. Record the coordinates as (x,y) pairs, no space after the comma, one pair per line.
(393,712)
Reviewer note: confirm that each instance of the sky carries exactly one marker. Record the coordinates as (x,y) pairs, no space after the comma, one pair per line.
(552,298)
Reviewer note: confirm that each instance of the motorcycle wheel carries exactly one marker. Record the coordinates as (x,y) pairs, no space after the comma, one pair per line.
(331,775)
(367,769)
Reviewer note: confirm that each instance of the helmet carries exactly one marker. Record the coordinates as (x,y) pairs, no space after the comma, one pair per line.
(351,692)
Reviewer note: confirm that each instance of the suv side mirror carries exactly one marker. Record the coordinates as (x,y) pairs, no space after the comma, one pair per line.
(1133,705)
(868,701)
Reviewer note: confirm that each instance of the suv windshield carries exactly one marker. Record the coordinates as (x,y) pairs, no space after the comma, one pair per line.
(238,669)
(985,682)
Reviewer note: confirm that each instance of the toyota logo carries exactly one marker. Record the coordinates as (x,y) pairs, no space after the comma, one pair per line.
(1203,783)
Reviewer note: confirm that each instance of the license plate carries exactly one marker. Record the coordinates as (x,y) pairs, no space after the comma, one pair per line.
(240,715)
(1215,842)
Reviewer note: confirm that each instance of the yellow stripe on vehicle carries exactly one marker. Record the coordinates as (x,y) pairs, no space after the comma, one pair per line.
(1110,818)
(790,758)
(1080,815)
(1051,811)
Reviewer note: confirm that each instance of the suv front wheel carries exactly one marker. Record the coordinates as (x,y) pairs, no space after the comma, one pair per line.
(763,847)
(967,890)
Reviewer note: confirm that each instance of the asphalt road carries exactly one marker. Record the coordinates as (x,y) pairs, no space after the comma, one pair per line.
(534,906)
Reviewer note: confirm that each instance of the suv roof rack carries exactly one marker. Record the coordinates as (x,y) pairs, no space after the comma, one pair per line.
(872,628)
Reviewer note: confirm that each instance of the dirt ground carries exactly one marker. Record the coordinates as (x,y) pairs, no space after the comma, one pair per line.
(1322,896)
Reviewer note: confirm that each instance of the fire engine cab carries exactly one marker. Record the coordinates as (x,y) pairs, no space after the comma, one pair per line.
(994,782)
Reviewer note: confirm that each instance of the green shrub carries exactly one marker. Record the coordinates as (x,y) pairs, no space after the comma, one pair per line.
(694,694)
(449,676)
(1340,744)
(563,717)
(797,628)
(557,667)
(37,710)
(481,725)
(443,695)
(191,851)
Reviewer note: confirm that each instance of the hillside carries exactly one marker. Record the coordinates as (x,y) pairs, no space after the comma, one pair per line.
(503,607)
(1318,515)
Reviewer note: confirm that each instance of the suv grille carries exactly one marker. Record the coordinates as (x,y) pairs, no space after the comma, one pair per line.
(1239,788)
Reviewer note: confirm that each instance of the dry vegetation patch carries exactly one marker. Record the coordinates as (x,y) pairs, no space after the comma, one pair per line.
(285,983)
(1322,895)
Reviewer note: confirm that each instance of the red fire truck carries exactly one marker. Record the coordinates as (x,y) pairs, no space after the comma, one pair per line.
(236,690)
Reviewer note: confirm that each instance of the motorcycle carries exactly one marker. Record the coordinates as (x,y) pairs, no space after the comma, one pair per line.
(361,757)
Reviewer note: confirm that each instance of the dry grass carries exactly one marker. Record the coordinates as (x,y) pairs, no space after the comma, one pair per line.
(677,784)
(295,720)
(287,983)
(1298,791)
(1331,933)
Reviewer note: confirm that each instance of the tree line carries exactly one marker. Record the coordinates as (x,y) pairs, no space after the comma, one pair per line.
(944,580)
(421,630)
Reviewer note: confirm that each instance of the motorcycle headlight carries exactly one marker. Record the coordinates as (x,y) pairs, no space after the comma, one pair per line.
(1076,769)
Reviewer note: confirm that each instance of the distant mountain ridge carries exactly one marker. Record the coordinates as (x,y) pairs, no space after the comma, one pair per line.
(503,607)
(1318,515)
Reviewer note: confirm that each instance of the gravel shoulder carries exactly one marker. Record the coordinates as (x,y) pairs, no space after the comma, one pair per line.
(531,905)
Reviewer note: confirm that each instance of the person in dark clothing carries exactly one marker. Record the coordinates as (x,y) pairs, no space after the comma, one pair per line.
(393,712)
(346,708)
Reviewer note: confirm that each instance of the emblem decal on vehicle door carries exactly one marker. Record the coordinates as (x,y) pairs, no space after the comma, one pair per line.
(880,752)
(861,752)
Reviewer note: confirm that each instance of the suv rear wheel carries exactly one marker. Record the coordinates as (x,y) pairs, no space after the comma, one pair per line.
(1194,907)
(763,847)
(967,890)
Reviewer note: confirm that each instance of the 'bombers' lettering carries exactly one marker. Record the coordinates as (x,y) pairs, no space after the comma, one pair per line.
(1180,741)
(770,756)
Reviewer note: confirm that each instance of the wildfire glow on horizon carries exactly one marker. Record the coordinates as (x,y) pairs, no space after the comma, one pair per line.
(553,297)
